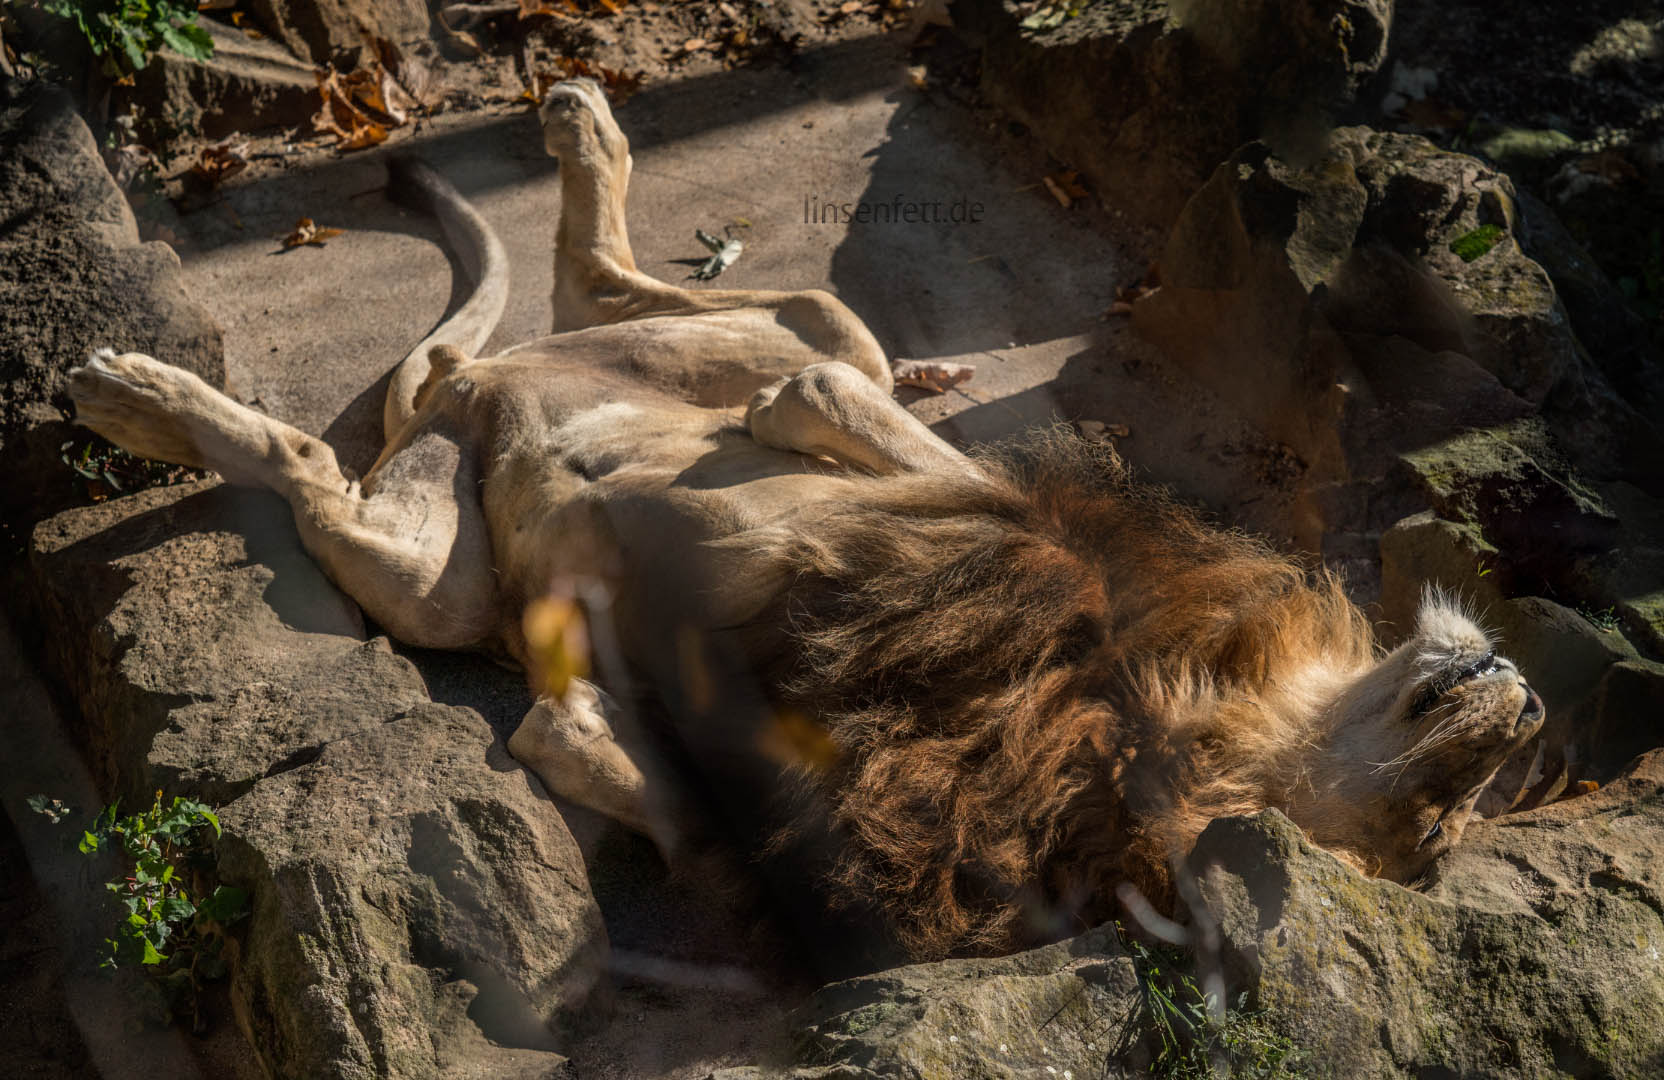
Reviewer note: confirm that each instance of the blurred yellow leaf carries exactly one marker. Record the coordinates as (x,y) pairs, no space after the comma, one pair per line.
(557,643)
(794,740)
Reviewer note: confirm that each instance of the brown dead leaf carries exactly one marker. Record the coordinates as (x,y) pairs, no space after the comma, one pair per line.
(936,376)
(617,85)
(358,107)
(221,161)
(850,7)
(1065,187)
(613,6)
(307,231)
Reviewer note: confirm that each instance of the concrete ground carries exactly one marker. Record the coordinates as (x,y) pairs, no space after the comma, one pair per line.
(312,332)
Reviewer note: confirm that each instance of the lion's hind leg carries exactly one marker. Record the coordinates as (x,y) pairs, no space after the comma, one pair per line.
(409,544)
(832,410)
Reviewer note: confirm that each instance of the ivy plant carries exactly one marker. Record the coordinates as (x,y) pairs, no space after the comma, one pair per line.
(125,34)
(165,924)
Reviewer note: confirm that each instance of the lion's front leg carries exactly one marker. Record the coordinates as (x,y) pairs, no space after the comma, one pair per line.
(571,744)
(832,410)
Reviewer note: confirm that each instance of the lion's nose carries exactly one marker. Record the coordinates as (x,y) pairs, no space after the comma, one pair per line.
(1533,709)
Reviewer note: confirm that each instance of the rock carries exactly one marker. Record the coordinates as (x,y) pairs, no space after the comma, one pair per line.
(1628,714)
(333,32)
(1048,1011)
(1531,955)
(1375,312)
(245,86)
(73,277)
(1542,516)
(1145,97)
(419,909)
(204,647)
(1426,550)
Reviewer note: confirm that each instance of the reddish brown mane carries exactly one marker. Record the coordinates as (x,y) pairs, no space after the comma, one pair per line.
(990,662)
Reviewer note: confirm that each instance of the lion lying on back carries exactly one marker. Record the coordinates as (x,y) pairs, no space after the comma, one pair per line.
(1024,678)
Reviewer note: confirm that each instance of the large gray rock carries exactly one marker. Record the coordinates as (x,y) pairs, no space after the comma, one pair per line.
(1375,311)
(73,277)
(1535,952)
(1051,1011)
(1147,97)
(419,909)
(203,646)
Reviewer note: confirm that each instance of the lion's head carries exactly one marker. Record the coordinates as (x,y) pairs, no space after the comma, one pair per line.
(1046,685)
(1425,730)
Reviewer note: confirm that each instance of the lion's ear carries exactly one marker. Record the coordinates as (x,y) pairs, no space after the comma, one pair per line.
(1447,624)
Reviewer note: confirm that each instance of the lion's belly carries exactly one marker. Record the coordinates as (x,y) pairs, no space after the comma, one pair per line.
(630,498)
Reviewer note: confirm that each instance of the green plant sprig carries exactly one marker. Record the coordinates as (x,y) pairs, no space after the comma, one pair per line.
(158,906)
(125,34)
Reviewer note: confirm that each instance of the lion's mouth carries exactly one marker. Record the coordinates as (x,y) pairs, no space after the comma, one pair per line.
(1531,714)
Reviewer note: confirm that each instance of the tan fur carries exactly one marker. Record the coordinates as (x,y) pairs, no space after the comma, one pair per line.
(1030,678)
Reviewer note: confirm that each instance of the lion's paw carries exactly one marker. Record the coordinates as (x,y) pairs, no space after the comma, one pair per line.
(140,404)
(576,117)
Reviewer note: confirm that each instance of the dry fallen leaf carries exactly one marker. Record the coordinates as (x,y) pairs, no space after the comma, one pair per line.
(308,232)
(617,85)
(221,161)
(1065,187)
(933,375)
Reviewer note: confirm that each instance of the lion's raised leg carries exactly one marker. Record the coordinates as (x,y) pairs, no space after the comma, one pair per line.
(831,410)
(571,744)
(597,283)
(408,544)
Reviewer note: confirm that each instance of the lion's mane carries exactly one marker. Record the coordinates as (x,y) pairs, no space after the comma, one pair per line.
(1042,686)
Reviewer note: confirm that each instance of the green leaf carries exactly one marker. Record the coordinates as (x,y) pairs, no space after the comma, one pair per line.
(88,844)
(189,40)
(151,956)
(212,819)
(225,905)
(1475,244)
(176,909)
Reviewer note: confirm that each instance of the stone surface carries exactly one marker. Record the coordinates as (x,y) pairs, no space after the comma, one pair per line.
(1146,97)
(333,32)
(419,910)
(1332,305)
(73,277)
(246,85)
(204,647)
(1535,953)
(1051,1011)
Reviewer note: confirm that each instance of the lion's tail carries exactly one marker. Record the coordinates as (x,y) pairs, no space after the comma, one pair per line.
(414,183)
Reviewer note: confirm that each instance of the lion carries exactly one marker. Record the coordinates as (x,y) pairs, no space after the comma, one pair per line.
(986,689)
